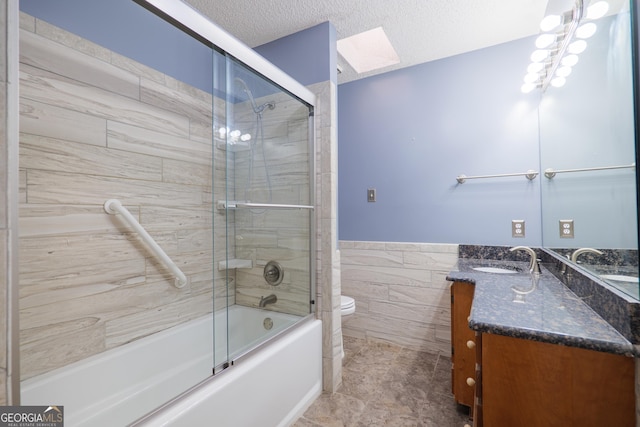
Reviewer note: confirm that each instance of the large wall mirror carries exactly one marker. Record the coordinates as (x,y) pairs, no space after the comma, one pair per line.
(588,140)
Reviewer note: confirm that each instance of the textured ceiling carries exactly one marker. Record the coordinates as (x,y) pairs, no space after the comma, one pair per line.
(420,30)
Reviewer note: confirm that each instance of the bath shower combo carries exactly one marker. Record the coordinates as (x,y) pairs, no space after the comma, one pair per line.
(257,338)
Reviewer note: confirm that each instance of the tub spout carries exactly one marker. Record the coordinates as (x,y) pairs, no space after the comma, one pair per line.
(271,299)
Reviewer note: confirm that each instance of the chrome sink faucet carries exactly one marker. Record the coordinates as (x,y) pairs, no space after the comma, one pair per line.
(534,267)
(271,299)
(577,252)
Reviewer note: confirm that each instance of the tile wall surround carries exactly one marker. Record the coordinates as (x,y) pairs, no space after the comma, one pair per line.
(328,265)
(4,198)
(9,361)
(263,235)
(401,293)
(95,125)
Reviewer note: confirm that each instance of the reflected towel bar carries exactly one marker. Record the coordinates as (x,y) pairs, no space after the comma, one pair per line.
(113,206)
(233,204)
(530,174)
(550,173)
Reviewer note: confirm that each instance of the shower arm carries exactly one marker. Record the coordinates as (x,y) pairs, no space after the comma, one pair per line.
(113,206)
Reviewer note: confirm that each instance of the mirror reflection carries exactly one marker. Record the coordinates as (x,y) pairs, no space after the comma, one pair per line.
(587,139)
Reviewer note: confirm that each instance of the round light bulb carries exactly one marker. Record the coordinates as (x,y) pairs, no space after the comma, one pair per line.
(587,30)
(597,10)
(558,81)
(527,87)
(569,60)
(577,46)
(545,40)
(245,137)
(539,55)
(531,78)
(550,22)
(535,67)
(235,133)
(563,71)
(222,132)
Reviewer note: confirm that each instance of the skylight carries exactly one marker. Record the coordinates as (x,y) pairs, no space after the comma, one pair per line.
(367,51)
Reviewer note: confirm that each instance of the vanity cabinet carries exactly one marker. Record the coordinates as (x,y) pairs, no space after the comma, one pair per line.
(508,381)
(463,344)
(529,383)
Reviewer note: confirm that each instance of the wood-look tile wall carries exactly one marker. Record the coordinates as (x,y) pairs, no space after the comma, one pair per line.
(4,199)
(95,125)
(280,168)
(401,292)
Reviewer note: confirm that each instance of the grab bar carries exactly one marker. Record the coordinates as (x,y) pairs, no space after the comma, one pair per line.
(550,173)
(530,174)
(113,206)
(232,204)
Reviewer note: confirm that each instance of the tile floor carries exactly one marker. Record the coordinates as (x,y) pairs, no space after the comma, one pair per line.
(387,385)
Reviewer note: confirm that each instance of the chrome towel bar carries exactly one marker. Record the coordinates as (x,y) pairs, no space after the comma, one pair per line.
(530,174)
(550,173)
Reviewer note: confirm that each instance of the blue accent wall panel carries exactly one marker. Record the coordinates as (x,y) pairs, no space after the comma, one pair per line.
(309,56)
(410,132)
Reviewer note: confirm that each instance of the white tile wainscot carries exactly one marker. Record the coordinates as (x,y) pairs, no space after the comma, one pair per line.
(401,292)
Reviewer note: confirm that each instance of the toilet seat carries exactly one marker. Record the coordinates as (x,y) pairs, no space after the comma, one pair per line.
(347,305)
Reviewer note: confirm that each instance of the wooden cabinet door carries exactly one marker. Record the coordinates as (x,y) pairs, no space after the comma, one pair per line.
(528,383)
(463,354)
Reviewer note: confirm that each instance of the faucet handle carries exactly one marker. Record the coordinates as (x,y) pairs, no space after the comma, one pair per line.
(536,266)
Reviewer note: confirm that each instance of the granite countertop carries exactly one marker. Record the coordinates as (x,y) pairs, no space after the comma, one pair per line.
(535,307)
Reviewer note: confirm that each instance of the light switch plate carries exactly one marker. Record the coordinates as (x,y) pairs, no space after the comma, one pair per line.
(566,228)
(517,228)
(371,195)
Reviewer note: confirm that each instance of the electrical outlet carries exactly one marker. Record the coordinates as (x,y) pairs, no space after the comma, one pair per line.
(566,228)
(517,228)
(371,195)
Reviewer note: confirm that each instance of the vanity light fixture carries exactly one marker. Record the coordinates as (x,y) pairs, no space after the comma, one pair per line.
(587,30)
(597,10)
(557,47)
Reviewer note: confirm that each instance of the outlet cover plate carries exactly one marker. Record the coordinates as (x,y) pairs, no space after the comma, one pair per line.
(566,228)
(517,228)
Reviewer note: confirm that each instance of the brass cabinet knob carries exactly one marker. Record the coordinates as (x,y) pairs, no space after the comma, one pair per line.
(471,382)
(471,344)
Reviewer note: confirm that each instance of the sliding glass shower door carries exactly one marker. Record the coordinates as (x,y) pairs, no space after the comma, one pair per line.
(263,153)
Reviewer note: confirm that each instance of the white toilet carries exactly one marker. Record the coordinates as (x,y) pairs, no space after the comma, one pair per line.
(347,307)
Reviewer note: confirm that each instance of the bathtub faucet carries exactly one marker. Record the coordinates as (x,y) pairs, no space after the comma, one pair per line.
(271,299)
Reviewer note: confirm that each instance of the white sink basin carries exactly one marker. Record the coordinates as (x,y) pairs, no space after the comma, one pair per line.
(497,270)
(619,278)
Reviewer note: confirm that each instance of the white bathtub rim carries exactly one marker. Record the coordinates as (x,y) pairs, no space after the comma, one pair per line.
(93,409)
(200,392)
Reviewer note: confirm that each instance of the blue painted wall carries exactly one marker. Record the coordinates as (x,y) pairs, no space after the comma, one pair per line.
(410,132)
(309,56)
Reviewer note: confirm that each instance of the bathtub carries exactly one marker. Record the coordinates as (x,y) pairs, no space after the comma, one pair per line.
(133,382)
